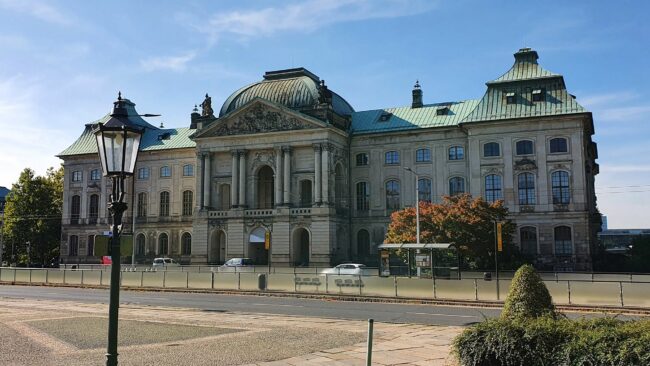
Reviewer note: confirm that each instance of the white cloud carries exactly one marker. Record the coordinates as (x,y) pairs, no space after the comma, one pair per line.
(36,9)
(625,168)
(616,106)
(174,63)
(306,16)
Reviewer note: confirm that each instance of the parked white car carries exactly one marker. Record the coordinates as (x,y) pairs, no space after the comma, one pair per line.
(346,269)
(164,262)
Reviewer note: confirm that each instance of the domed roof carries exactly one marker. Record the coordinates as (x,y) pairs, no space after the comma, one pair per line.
(293,88)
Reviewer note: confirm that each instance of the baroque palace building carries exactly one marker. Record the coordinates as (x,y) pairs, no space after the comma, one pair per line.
(289,161)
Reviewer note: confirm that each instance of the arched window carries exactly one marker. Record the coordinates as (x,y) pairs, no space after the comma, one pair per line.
(140,244)
(560,187)
(524,147)
(528,240)
(188,170)
(526,188)
(165,172)
(392,195)
(562,235)
(363,243)
(362,159)
(91,246)
(186,244)
(424,189)
(391,157)
(142,204)
(559,145)
(163,244)
(422,155)
(493,190)
(164,204)
(456,186)
(73,251)
(93,209)
(491,149)
(188,198)
(75,209)
(456,153)
(363,196)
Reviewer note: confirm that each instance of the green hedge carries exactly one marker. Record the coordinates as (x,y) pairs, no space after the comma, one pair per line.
(555,342)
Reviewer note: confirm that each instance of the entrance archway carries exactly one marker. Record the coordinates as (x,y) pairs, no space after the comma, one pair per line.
(301,247)
(256,250)
(265,187)
(217,252)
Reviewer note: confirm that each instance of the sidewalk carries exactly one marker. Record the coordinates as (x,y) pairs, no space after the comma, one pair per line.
(61,332)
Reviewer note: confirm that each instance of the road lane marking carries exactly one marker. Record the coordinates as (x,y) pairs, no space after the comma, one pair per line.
(450,315)
(285,305)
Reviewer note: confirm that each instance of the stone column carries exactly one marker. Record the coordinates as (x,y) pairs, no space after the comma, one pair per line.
(207,174)
(242,178)
(278,177)
(317,173)
(287,174)
(325,173)
(235,178)
(202,181)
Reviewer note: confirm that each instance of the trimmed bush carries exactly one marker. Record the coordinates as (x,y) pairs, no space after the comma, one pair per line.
(555,342)
(528,296)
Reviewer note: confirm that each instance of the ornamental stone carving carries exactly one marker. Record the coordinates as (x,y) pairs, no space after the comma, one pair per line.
(264,158)
(258,119)
(525,164)
(217,224)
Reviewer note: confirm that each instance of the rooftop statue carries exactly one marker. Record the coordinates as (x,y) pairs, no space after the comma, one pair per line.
(207,106)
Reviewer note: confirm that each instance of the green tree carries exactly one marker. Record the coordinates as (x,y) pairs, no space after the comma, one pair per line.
(467,222)
(528,296)
(32,228)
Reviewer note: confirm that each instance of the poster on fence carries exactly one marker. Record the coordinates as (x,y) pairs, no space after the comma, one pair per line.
(385,263)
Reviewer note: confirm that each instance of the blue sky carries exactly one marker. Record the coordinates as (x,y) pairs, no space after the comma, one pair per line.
(62,63)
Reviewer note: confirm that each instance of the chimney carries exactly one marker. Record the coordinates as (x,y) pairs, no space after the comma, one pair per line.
(417,95)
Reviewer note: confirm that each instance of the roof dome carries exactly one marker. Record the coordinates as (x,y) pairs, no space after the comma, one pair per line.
(293,88)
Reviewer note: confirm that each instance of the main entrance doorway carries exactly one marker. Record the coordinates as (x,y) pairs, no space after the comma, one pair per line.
(217,252)
(256,249)
(301,247)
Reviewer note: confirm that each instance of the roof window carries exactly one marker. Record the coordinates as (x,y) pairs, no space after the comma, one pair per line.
(511,98)
(538,95)
(164,136)
(385,116)
(442,111)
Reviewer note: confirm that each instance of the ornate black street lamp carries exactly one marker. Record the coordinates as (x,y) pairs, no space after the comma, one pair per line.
(118,141)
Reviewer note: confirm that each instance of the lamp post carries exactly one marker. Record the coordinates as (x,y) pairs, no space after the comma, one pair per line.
(417,212)
(118,141)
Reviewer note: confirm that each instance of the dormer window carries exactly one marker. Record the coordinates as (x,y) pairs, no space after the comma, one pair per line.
(538,95)
(511,98)
(164,136)
(385,116)
(442,111)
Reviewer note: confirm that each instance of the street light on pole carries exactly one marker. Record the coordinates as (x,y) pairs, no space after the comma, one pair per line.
(118,142)
(417,212)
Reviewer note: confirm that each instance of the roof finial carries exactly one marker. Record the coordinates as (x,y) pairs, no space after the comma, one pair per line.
(196,109)
(161,125)
(119,95)
(417,84)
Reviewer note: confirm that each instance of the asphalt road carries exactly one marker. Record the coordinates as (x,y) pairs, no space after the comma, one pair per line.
(391,313)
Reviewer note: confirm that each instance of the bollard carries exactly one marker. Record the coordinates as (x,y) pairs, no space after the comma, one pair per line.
(261,281)
(369,352)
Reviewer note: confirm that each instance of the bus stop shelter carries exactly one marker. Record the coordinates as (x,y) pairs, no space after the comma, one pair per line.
(422,258)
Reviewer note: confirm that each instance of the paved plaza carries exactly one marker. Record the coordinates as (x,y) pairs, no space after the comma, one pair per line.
(38,332)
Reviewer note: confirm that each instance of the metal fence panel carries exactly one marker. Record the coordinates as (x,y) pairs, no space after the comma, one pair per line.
(131,279)
(92,278)
(559,291)
(199,280)
(226,281)
(595,293)
(415,287)
(23,275)
(636,294)
(248,281)
(176,279)
(455,289)
(55,276)
(73,277)
(152,279)
(378,286)
(7,274)
(344,284)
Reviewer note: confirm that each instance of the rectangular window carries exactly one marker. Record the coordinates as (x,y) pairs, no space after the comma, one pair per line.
(76,176)
(424,190)
(94,174)
(493,190)
(423,155)
(143,173)
(511,98)
(392,195)
(188,170)
(456,186)
(560,187)
(363,196)
(563,244)
(524,147)
(392,157)
(526,186)
(538,95)
(165,172)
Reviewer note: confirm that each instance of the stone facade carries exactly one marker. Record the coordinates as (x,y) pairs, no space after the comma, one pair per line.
(289,172)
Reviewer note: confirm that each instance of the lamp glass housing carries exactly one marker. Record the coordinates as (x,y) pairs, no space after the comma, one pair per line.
(118,149)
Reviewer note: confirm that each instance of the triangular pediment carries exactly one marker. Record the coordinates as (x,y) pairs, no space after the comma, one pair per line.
(260,116)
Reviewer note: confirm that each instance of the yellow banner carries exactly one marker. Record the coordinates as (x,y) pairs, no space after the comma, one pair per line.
(499,237)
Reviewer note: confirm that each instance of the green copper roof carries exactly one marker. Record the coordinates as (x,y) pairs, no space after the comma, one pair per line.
(407,118)
(524,68)
(153,139)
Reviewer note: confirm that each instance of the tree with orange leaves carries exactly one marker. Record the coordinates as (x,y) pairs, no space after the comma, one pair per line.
(467,222)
